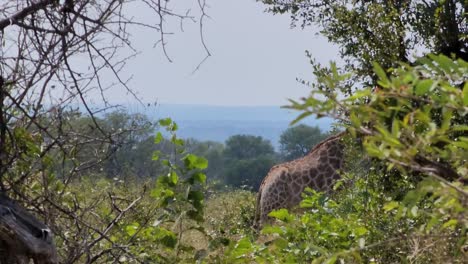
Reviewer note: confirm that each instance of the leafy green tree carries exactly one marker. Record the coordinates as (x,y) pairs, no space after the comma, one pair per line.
(134,161)
(247,160)
(117,157)
(298,140)
(136,127)
(127,151)
(426,107)
(386,32)
(248,173)
(367,222)
(410,115)
(247,147)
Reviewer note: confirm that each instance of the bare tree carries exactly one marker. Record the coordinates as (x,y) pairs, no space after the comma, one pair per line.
(53,56)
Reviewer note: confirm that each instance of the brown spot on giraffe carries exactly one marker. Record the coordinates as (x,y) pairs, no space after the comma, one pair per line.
(284,183)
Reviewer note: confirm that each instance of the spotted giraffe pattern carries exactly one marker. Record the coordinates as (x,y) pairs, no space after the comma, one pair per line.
(284,183)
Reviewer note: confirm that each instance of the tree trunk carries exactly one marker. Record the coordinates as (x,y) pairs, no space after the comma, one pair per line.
(23,237)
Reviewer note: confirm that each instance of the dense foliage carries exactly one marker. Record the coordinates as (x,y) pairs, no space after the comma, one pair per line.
(248,159)
(111,191)
(413,209)
(386,32)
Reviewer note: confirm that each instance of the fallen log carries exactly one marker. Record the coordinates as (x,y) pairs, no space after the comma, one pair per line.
(23,237)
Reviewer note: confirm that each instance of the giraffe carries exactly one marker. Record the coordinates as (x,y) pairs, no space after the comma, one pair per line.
(283,185)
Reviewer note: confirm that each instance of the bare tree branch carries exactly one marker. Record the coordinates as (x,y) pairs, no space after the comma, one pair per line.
(58,61)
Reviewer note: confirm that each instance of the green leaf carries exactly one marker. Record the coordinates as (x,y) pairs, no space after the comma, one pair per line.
(359,94)
(178,142)
(281,214)
(173,127)
(165,122)
(300,117)
(396,128)
(383,79)
(199,177)
(423,87)
(192,161)
(166,163)
(338,184)
(242,247)
(450,223)
(408,78)
(360,231)
(460,144)
(156,155)
(331,260)
(158,138)
(132,228)
(390,206)
(355,120)
(447,116)
(281,243)
(173,177)
(444,62)
(161,192)
(272,230)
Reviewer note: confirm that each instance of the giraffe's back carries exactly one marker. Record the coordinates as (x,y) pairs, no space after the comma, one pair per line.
(284,183)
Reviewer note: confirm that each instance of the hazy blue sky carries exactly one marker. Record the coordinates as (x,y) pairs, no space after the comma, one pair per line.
(256,58)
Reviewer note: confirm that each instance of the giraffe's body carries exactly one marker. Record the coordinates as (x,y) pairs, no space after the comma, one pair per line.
(284,183)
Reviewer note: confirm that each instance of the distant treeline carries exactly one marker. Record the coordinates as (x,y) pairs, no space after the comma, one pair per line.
(240,162)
